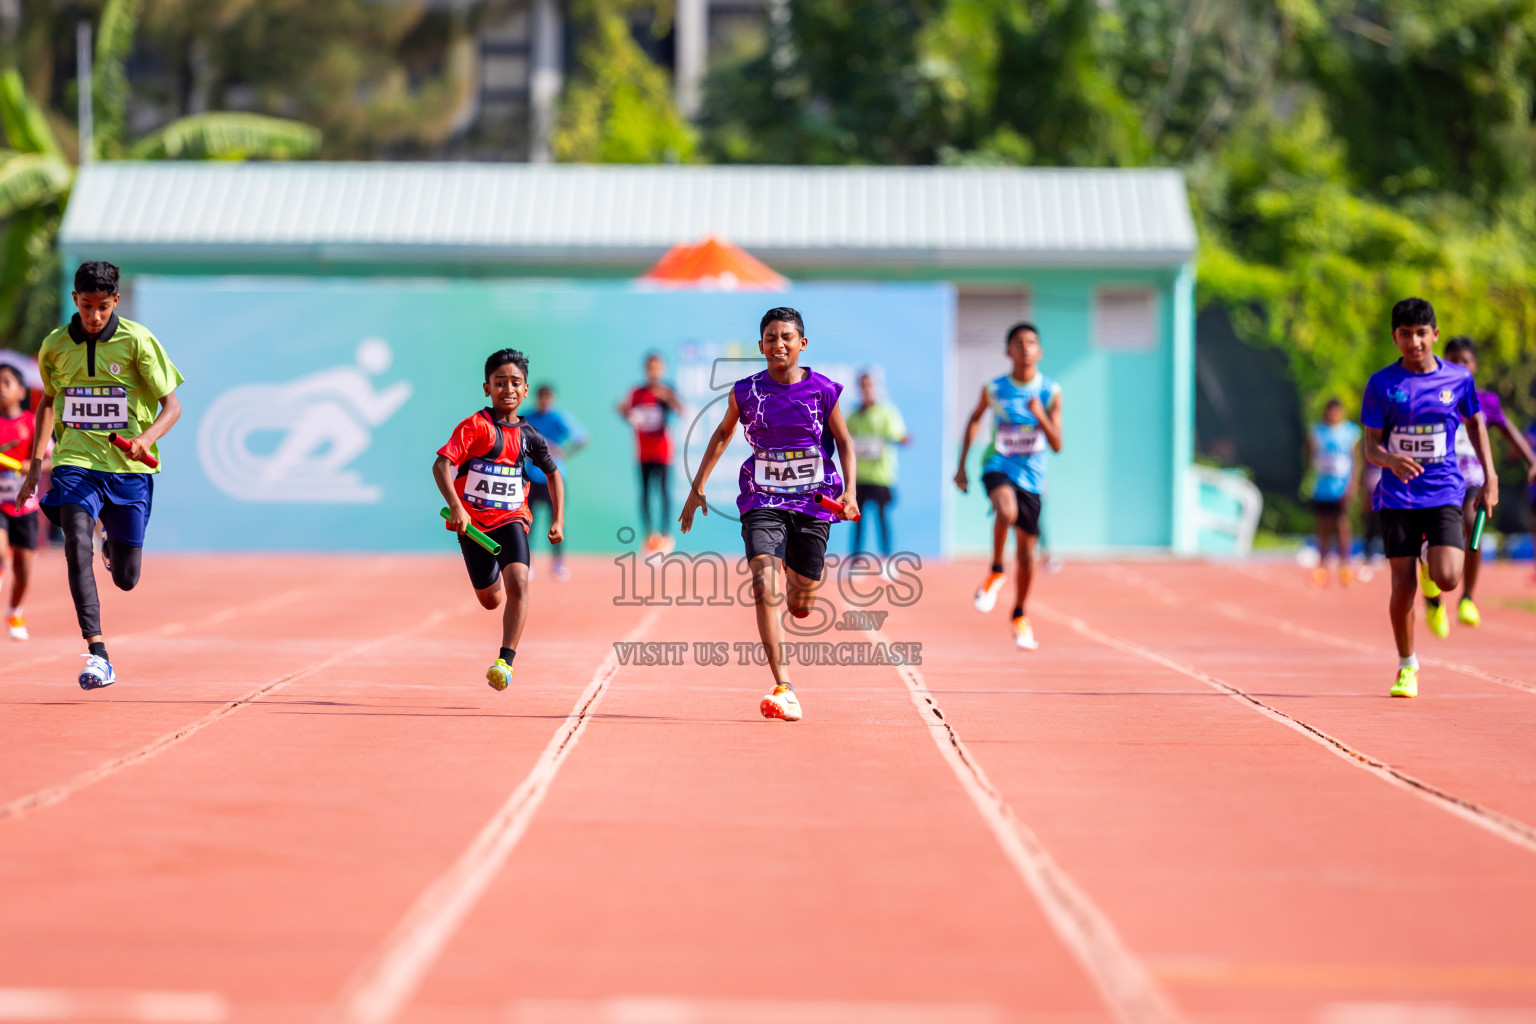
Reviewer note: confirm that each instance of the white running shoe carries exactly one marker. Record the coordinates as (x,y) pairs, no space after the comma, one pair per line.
(1024,635)
(97,672)
(561,571)
(986,594)
(18,627)
(781,703)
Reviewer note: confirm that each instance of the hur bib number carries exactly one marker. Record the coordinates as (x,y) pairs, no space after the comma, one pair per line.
(783,472)
(493,485)
(1018,439)
(1418,443)
(96,408)
(869,449)
(649,418)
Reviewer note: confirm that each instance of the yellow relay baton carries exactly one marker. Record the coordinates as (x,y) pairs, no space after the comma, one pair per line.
(11,464)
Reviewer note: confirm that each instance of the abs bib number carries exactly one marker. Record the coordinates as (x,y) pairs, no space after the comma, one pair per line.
(492,485)
(1018,439)
(96,408)
(1418,442)
(784,472)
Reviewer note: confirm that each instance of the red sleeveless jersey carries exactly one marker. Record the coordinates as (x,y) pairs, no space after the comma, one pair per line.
(490,456)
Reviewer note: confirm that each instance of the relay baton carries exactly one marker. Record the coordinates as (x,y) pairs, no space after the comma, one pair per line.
(835,507)
(10,463)
(474,534)
(148,460)
(1477,528)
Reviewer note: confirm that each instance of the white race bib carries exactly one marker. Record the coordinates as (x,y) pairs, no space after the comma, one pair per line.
(1018,439)
(96,408)
(1420,443)
(1334,464)
(869,448)
(493,485)
(10,486)
(783,472)
(649,418)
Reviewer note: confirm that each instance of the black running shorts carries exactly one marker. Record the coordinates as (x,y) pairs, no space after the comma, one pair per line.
(1028,502)
(21,530)
(1404,530)
(799,539)
(484,567)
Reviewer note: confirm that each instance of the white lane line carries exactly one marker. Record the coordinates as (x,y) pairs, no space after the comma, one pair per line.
(380,990)
(1243,615)
(24,805)
(1515,831)
(663,1010)
(40,1004)
(1123,982)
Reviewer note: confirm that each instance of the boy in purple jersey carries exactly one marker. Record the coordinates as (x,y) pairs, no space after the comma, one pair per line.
(1410,414)
(1462,350)
(790,417)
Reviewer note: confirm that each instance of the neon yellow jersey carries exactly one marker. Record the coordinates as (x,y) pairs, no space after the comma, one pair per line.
(876,429)
(133,374)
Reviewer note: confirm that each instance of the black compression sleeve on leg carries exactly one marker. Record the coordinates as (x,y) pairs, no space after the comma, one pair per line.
(79,529)
(664,484)
(645,498)
(126,564)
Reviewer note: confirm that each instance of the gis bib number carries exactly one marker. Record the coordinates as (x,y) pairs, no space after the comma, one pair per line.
(869,449)
(492,485)
(98,408)
(1018,439)
(649,418)
(784,472)
(1426,444)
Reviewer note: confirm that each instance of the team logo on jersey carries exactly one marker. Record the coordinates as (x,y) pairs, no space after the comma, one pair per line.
(1398,395)
(1447,396)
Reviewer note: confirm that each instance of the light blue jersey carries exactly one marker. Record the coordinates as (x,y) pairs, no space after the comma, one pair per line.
(1333,459)
(1018,444)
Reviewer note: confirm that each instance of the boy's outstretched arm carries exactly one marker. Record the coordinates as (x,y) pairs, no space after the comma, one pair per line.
(556,507)
(1522,446)
(972,425)
(718,442)
(1478,426)
(849,461)
(42,433)
(443,473)
(170,412)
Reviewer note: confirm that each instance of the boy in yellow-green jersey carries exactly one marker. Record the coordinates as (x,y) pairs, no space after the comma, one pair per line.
(877,428)
(102,375)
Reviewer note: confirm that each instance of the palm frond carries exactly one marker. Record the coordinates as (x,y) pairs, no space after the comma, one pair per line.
(114,42)
(32,179)
(26,128)
(229,136)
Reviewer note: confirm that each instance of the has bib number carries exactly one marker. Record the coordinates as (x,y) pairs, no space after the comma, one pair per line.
(96,408)
(1418,442)
(869,449)
(1018,439)
(649,418)
(784,472)
(493,485)
(10,486)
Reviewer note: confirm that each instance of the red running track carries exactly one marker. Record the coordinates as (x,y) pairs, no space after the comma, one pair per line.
(1194,803)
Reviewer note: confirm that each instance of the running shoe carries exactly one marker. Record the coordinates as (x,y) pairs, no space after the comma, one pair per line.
(1346,576)
(781,703)
(1024,635)
(499,675)
(1320,577)
(97,672)
(986,594)
(1407,684)
(560,571)
(1467,613)
(1428,585)
(1438,618)
(18,627)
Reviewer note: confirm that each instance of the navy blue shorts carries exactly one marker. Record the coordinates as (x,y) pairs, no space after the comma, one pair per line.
(120,500)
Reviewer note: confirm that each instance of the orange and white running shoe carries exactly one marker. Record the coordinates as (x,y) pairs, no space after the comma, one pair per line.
(1320,577)
(781,703)
(18,627)
(986,594)
(1024,635)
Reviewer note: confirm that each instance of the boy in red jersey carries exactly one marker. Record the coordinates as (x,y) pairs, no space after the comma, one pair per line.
(18,522)
(646,409)
(481,474)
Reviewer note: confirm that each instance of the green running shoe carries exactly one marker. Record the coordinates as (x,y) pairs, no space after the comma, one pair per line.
(1430,588)
(1407,684)
(1438,617)
(1468,614)
(499,675)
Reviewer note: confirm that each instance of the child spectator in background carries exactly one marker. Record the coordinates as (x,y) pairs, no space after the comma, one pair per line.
(1333,446)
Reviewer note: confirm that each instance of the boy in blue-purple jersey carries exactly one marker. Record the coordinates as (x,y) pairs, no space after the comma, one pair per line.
(1410,412)
(790,417)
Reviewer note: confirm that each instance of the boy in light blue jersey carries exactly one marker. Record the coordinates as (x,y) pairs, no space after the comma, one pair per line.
(1026,422)
(1335,478)
(1410,412)
(566,437)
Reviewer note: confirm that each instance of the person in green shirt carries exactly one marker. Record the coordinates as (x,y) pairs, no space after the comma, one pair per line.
(102,375)
(877,427)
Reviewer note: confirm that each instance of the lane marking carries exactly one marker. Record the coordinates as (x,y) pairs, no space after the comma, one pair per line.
(386,982)
(1517,832)
(664,1010)
(1243,615)
(1419,1013)
(25,805)
(37,1004)
(1199,972)
(1123,983)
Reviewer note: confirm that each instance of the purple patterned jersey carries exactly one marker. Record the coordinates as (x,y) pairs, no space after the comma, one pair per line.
(792,460)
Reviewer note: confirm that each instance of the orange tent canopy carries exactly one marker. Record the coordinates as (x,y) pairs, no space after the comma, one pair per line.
(713,263)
